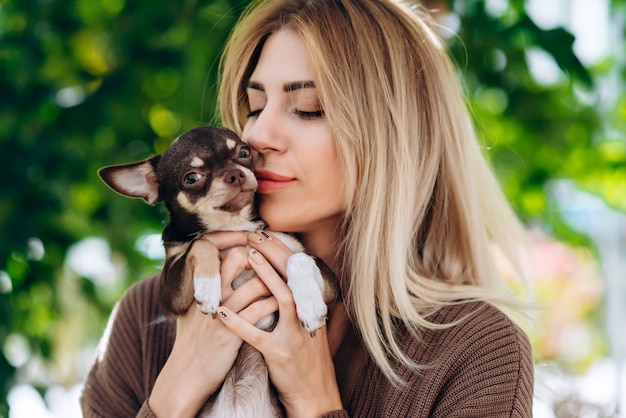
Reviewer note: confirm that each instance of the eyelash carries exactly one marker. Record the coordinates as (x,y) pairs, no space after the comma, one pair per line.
(254,113)
(300,113)
(309,115)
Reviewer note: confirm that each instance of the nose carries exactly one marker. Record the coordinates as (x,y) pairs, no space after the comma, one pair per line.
(265,132)
(235,177)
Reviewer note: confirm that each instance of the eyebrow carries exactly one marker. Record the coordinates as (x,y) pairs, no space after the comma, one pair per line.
(287,88)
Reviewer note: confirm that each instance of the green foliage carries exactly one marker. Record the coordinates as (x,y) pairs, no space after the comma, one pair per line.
(88,83)
(537,130)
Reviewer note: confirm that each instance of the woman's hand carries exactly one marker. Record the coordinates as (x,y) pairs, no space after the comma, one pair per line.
(205,350)
(300,365)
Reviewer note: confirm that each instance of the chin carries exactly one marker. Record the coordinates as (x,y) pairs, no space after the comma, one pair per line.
(277,223)
(278,219)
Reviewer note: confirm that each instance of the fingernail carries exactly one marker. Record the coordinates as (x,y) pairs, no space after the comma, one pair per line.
(222,313)
(255,238)
(265,234)
(256,257)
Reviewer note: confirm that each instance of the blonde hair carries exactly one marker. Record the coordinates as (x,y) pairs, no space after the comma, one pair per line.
(423,207)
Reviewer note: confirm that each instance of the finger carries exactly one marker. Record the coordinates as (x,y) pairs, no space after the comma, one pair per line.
(273,281)
(194,319)
(248,293)
(272,248)
(242,328)
(227,239)
(259,311)
(233,264)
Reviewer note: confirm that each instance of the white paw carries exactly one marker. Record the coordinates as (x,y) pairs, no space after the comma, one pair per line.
(306,283)
(208,293)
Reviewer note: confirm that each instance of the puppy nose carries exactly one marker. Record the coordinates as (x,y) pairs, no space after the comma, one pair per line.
(235,176)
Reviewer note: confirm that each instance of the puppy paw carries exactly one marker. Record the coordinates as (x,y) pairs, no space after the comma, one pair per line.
(208,293)
(306,283)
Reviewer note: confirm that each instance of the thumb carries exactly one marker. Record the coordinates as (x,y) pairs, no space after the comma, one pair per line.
(242,328)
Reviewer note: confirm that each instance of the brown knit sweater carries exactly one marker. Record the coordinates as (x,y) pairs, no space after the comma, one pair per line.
(481,368)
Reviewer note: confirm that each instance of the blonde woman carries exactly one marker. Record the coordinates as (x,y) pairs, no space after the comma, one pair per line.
(364,150)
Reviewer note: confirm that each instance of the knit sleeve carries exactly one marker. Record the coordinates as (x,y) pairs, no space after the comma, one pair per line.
(341,413)
(115,385)
(480,367)
(491,374)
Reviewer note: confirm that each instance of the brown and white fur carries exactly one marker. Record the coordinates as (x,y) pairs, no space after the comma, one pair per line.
(205,180)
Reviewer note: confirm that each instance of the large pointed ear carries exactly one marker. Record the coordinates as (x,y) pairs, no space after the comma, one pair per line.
(134,180)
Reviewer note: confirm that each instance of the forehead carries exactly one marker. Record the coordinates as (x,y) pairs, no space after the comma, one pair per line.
(283,58)
(194,148)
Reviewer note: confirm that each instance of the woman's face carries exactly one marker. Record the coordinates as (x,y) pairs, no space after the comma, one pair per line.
(300,182)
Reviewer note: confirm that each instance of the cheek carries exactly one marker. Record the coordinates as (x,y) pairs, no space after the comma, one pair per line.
(319,198)
(281,214)
(245,131)
(329,182)
(329,174)
(324,171)
(326,187)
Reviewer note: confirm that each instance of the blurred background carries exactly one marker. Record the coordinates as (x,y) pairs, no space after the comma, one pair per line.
(88,83)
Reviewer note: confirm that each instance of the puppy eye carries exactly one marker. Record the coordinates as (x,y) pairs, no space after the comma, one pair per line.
(244,153)
(192,179)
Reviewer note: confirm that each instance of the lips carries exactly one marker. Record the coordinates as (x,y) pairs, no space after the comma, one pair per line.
(269,181)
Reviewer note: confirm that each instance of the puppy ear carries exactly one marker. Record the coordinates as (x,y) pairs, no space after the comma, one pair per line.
(137,179)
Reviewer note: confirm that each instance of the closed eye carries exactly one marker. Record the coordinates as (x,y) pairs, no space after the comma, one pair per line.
(309,115)
(304,114)
(254,113)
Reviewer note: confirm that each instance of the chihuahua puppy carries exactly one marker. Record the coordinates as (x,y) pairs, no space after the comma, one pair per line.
(205,180)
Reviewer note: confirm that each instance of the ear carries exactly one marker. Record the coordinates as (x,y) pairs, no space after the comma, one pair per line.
(134,180)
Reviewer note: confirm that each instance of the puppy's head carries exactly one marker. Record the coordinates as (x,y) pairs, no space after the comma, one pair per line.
(204,178)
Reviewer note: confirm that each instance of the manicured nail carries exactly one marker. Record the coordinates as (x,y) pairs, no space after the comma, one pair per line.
(255,238)
(256,257)
(222,313)
(266,235)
